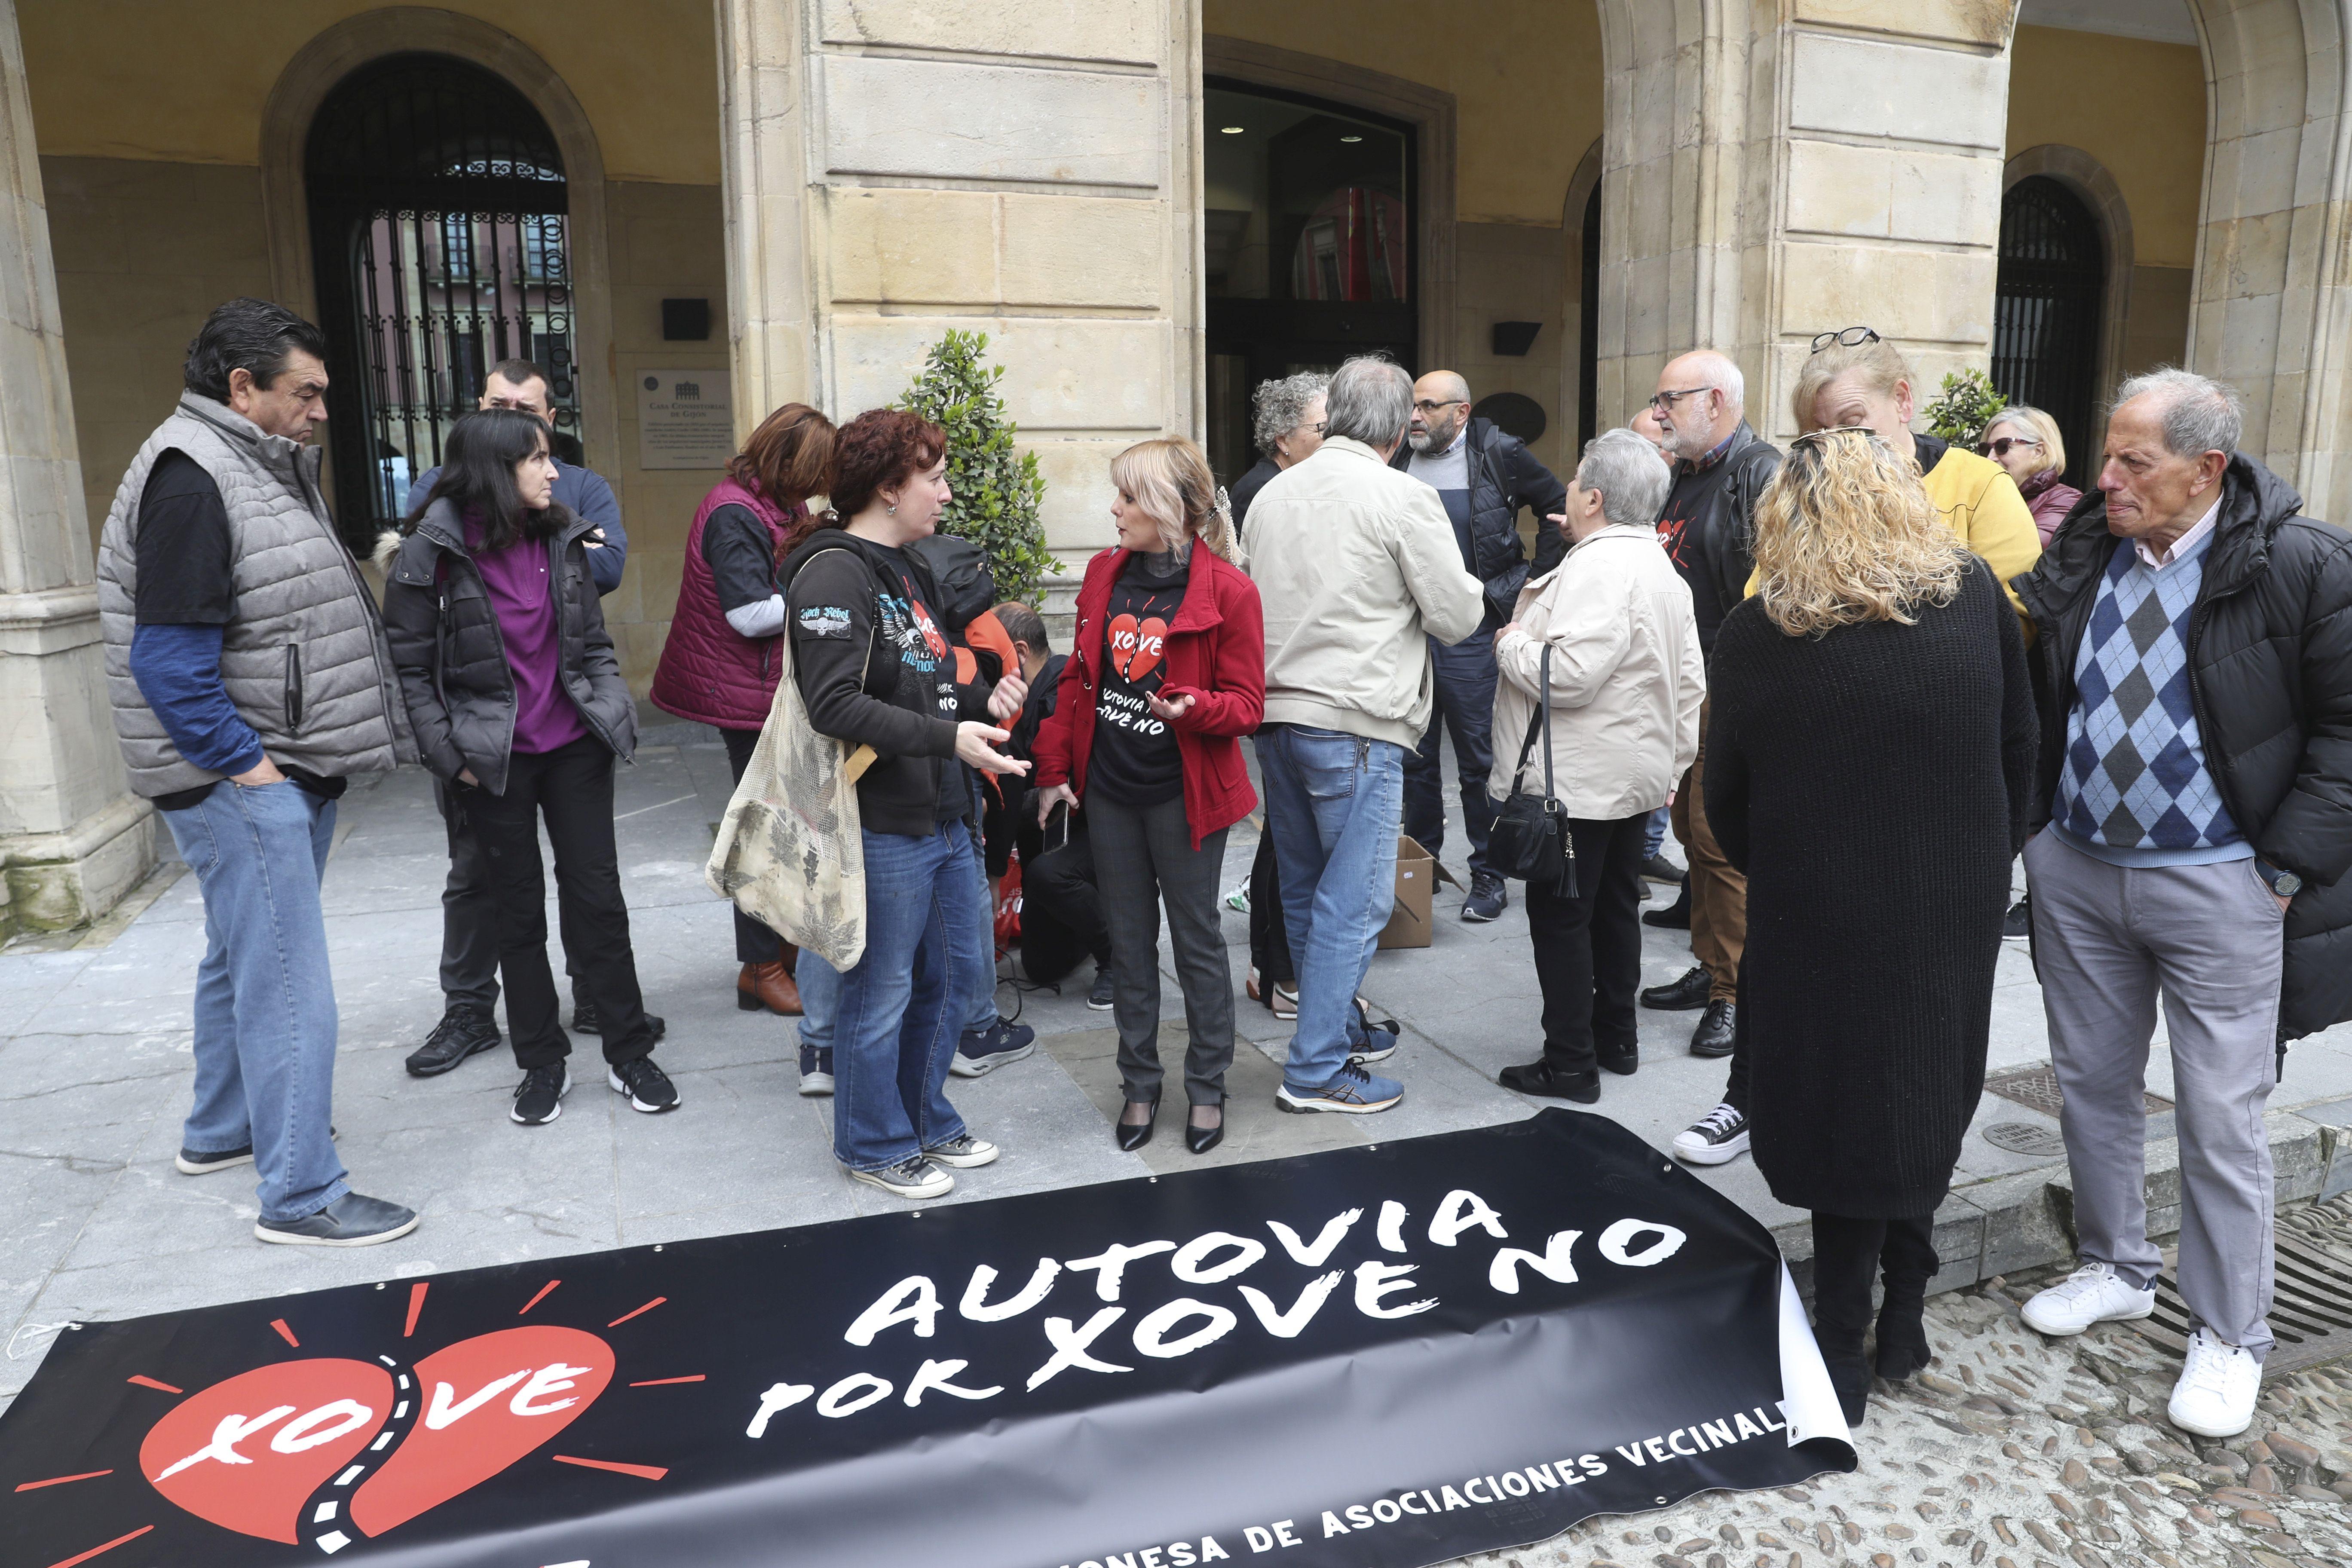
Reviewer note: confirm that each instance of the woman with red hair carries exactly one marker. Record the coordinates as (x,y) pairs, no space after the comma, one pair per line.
(718,666)
(875,669)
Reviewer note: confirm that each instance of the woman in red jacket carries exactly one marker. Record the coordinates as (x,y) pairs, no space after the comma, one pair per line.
(1165,676)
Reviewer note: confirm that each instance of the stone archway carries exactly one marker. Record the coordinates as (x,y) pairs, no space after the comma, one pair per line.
(334,54)
(2089,180)
(1579,226)
(2271,313)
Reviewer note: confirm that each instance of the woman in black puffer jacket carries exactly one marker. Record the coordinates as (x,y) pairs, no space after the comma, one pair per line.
(517,703)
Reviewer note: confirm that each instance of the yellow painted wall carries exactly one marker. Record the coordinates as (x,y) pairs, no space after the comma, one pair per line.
(1526,78)
(185,80)
(2138,107)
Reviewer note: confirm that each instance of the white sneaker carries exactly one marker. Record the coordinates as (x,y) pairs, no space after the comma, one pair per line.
(2215,1396)
(2092,1294)
(964,1152)
(1719,1136)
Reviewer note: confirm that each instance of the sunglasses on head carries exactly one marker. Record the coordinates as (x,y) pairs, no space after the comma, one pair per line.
(1851,338)
(2000,444)
(1821,437)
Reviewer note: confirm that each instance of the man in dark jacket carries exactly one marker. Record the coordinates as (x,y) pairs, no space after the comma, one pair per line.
(1709,527)
(469,937)
(1484,476)
(2196,779)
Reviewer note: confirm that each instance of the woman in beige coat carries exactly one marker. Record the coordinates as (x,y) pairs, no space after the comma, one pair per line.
(1626,680)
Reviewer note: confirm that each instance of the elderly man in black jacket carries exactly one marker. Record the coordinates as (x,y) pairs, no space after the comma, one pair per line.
(1484,476)
(2196,649)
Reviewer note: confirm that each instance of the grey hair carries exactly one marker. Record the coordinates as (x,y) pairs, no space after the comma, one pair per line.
(1625,468)
(2198,413)
(1370,400)
(1723,373)
(1280,406)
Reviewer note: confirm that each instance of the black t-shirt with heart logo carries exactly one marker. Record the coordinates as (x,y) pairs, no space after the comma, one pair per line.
(1134,761)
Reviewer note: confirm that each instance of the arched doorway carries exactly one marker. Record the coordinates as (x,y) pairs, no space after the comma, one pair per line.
(1588,306)
(2049,303)
(439,233)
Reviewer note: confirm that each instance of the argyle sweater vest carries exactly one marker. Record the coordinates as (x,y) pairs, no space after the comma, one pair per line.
(2136,779)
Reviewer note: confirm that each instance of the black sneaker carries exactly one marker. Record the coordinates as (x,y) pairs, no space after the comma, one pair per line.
(193,1163)
(982,1051)
(538,1098)
(585,1022)
(1540,1077)
(816,1073)
(464,1031)
(2019,922)
(1674,916)
(1686,993)
(1718,1136)
(350,1220)
(1487,898)
(1101,996)
(649,1087)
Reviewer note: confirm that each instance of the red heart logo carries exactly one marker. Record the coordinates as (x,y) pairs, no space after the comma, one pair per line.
(249,1452)
(1135,650)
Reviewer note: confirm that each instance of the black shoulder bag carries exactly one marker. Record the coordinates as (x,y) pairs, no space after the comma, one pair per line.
(1530,839)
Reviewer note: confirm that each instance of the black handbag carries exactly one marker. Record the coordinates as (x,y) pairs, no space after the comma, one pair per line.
(1530,840)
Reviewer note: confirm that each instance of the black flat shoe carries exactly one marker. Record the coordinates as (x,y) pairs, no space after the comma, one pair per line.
(1623,1061)
(1200,1140)
(1686,993)
(1674,916)
(1850,1376)
(1716,1031)
(1539,1078)
(1134,1135)
(1903,1335)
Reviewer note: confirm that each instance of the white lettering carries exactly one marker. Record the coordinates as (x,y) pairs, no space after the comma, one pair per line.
(1503,1273)
(1746,1428)
(1327,1241)
(852,1395)
(1259,1539)
(1658,1448)
(1674,1441)
(780,1397)
(1111,1263)
(934,1374)
(1616,1243)
(1515,1484)
(550,1378)
(1151,1334)
(440,1414)
(1464,1211)
(1070,1346)
(1374,1280)
(1410,1503)
(1392,1514)
(974,1304)
(1282,1532)
(1286,1325)
(1633,1455)
(1360,1516)
(1470,1490)
(1191,1266)
(1452,1499)
(231,1431)
(1717,1433)
(340,1419)
(1211,1551)
(1331,1525)
(913,1299)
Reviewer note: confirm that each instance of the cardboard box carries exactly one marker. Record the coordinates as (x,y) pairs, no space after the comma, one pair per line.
(1417,875)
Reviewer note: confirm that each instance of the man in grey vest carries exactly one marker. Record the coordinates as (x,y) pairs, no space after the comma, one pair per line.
(249,680)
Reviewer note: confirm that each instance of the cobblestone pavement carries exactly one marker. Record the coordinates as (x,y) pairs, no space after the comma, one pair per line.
(2023,1452)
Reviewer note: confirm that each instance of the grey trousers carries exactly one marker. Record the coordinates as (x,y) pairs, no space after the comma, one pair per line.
(1143,859)
(2107,941)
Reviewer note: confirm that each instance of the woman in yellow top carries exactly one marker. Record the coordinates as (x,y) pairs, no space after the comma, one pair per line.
(1868,384)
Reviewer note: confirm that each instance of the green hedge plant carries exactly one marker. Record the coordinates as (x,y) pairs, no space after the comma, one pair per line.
(1963,409)
(997,491)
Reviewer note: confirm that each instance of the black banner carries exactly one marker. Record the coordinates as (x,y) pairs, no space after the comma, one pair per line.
(1384,1356)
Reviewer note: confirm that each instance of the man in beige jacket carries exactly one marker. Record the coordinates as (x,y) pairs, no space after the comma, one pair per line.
(1624,682)
(1357,564)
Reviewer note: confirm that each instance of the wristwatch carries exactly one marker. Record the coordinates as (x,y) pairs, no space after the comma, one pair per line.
(2284,884)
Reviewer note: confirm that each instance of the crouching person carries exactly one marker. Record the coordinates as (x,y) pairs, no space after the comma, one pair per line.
(246,669)
(518,705)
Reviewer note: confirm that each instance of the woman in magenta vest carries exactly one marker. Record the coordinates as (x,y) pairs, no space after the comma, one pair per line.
(1165,676)
(720,663)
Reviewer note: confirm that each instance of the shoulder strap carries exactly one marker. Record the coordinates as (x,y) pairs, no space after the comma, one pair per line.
(1539,718)
(864,757)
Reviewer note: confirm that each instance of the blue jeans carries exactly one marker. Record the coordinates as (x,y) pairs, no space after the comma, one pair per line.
(820,985)
(981,1012)
(264,1014)
(1465,708)
(902,1007)
(1331,802)
(1654,835)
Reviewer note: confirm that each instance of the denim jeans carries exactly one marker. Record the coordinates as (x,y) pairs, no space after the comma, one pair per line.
(1654,831)
(820,985)
(980,1012)
(1331,802)
(1466,707)
(902,1007)
(265,1016)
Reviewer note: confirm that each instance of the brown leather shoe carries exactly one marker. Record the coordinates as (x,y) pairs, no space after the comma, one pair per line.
(768,985)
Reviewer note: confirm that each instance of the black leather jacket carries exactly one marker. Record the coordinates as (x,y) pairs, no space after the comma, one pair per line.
(1505,477)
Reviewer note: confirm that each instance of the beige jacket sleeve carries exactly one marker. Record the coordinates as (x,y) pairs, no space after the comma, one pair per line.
(1690,699)
(1588,627)
(1452,601)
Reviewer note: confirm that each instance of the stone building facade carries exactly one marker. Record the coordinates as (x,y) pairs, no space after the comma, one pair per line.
(1147,204)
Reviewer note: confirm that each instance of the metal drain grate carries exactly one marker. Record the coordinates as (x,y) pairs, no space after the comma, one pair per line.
(2036,1087)
(2311,1316)
(2025,1138)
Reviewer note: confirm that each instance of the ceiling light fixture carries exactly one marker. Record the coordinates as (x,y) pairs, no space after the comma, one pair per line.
(1234,129)
(1351,139)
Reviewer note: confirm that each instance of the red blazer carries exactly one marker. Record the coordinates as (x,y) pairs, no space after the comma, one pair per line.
(1217,655)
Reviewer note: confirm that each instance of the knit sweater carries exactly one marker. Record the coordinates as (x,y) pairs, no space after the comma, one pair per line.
(1872,784)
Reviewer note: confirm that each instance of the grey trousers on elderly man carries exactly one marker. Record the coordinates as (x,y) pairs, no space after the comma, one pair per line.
(2107,941)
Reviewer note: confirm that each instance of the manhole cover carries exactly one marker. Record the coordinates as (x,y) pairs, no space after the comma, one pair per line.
(2036,1087)
(2311,1315)
(2024,1138)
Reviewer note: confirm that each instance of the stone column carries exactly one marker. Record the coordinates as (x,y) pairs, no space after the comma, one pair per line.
(1778,168)
(73,840)
(895,168)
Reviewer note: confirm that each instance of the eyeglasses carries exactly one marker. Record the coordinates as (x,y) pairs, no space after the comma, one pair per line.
(1851,338)
(1663,402)
(1320,426)
(1423,406)
(1999,447)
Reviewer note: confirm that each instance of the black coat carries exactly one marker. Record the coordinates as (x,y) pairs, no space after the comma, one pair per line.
(1505,477)
(1724,534)
(452,659)
(2270,678)
(1873,784)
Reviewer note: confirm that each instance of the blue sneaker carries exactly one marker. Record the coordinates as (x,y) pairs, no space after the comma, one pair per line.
(984,1050)
(816,1073)
(1353,1090)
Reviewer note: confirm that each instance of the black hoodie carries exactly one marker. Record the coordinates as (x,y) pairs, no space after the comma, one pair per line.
(877,669)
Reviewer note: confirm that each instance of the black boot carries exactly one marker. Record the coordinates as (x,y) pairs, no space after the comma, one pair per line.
(1902,1329)
(1674,916)
(1845,1256)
